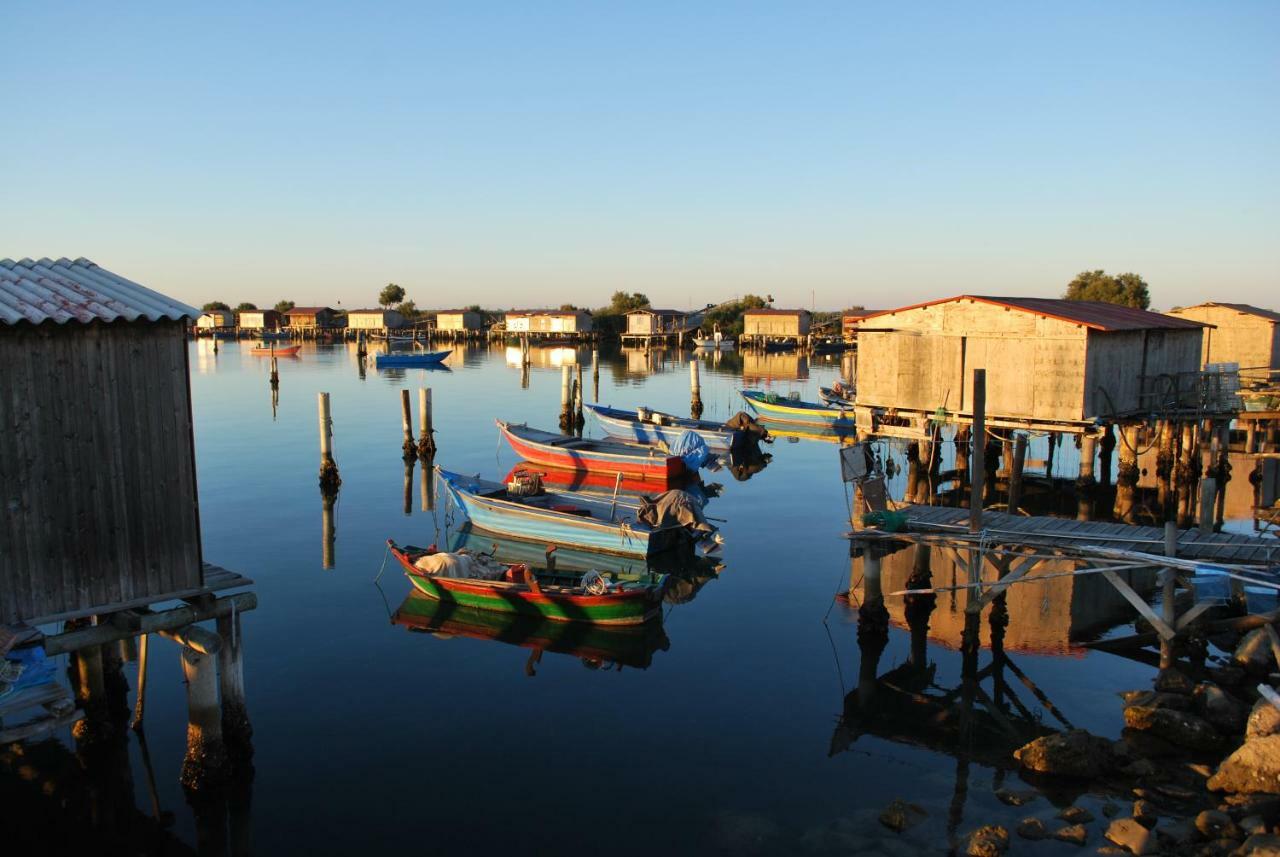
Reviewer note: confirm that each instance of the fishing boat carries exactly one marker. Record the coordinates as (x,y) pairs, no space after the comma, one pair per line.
(778,346)
(648,426)
(410,359)
(772,407)
(591,597)
(598,456)
(620,645)
(610,525)
(272,351)
(836,396)
(608,484)
(829,346)
(722,344)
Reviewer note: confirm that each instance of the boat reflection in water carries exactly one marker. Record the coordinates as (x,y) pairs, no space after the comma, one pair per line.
(598,646)
(688,572)
(794,433)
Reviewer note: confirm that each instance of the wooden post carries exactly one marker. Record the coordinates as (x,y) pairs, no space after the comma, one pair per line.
(566,398)
(205,762)
(1015,476)
(237,732)
(275,372)
(1127,475)
(1250,435)
(426,488)
(978,463)
(362,350)
(871,588)
(91,695)
(695,389)
(1168,609)
(426,430)
(330,481)
(409,448)
(1208,488)
(578,395)
(408,486)
(595,375)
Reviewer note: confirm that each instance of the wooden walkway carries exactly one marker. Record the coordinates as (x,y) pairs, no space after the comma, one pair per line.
(1066,532)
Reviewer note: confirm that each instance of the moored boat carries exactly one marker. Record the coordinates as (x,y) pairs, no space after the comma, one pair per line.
(271,351)
(660,428)
(411,358)
(836,396)
(773,407)
(592,597)
(722,344)
(597,456)
(576,520)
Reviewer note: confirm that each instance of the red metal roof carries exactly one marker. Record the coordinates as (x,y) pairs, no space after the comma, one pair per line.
(312,310)
(1096,315)
(770,311)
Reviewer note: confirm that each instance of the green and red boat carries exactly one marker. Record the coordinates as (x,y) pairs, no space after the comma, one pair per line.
(614,599)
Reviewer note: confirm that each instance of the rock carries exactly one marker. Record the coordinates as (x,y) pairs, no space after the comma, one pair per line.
(1261,845)
(1224,711)
(1214,824)
(1076,815)
(1174,681)
(1110,849)
(1141,769)
(1226,676)
(1252,824)
(1070,754)
(990,840)
(1017,798)
(1131,836)
(1217,848)
(1264,720)
(1155,699)
(1144,745)
(1144,812)
(1032,828)
(1110,810)
(1241,806)
(1253,655)
(1076,834)
(1255,767)
(1180,728)
(900,815)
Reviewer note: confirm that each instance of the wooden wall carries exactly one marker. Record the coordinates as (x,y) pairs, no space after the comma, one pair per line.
(1117,362)
(1249,340)
(97,467)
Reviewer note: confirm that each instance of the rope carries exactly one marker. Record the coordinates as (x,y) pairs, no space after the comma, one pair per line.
(385,553)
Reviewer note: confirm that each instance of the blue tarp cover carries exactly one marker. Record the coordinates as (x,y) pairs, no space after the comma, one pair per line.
(692,448)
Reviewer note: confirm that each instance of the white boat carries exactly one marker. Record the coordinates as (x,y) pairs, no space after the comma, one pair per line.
(721,344)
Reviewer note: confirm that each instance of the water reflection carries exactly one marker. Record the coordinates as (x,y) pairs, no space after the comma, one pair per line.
(598,647)
(758,366)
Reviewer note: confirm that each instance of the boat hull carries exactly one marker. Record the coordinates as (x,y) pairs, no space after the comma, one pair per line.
(411,360)
(631,429)
(627,609)
(641,464)
(288,351)
(803,413)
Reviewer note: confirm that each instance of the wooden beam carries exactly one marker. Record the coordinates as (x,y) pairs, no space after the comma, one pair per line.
(1139,604)
(1017,571)
(148,623)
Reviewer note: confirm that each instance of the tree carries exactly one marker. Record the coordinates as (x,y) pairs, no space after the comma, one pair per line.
(215,305)
(621,302)
(283,307)
(568,308)
(408,309)
(241,307)
(474,308)
(1123,289)
(392,294)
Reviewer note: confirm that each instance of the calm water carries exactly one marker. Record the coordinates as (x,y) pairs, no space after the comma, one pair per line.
(370,737)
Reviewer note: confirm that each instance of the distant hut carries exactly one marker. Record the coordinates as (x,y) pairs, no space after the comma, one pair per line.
(258,319)
(765,325)
(97,460)
(851,320)
(550,323)
(1048,361)
(380,320)
(1242,334)
(313,318)
(216,320)
(649,323)
(459,323)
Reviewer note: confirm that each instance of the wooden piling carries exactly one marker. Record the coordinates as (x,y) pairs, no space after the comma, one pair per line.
(206,760)
(595,375)
(566,398)
(330,481)
(327,529)
(91,697)
(578,396)
(426,428)
(275,372)
(978,465)
(362,349)
(1127,475)
(140,704)
(1015,475)
(408,448)
(695,389)
(408,486)
(1167,596)
(237,732)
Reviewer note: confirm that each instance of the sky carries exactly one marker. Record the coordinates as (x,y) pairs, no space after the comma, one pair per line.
(828,154)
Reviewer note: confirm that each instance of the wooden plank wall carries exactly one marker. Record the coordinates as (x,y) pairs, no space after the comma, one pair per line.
(1117,361)
(97,470)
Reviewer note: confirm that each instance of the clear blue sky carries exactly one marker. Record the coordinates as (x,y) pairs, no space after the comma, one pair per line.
(542,152)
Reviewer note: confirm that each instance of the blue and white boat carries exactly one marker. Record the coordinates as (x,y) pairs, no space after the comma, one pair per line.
(566,518)
(411,358)
(660,428)
(771,407)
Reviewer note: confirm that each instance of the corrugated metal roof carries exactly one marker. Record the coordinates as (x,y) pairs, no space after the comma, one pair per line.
(652,311)
(1247,309)
(64,291)
(312,310)
(771,311)
(1096,315)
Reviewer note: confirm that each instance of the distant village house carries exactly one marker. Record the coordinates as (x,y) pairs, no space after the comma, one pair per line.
(459,320)
(216,319)
(258,319)
(313,318)
(375,319)
(759,325)
(1246,335)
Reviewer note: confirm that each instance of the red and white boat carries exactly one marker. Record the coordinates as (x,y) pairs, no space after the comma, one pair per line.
(596,456)
(271,351)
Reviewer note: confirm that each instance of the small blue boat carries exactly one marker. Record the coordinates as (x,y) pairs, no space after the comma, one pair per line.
(784,410)
(410,359)
(569,519)
(660,428)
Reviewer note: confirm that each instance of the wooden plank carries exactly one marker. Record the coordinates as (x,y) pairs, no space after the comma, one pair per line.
(219,585)
(1139,604)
